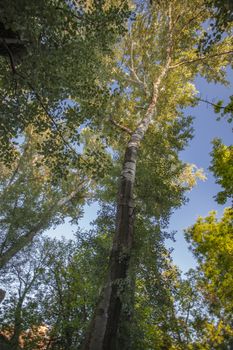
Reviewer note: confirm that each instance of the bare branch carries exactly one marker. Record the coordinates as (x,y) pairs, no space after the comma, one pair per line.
(132,67)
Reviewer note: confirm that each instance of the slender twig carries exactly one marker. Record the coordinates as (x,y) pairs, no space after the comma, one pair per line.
(230,52)
(122,127)
(211,103)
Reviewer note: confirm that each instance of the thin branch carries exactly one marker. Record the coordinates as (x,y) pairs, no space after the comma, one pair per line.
(133,70)
(200,11)
(12,41)
(149,114)
(130,80)
(122,127)
(230,52)
(17,168)
(9,228)
(211,103)
(11,57)
(49,115)
(132,67)
(39,99)
(72,195)
(22,241)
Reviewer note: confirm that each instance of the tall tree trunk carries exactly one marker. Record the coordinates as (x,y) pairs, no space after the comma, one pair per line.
(103,330)
(102,334)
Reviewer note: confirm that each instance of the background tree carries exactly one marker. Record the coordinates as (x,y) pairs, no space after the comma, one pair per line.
(34,199)
(61,293)
(36,87)
(210,241)
(22,281)
(222,166)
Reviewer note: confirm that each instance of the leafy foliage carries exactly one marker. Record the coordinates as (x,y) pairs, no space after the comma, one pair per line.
(74,105)
(37,89)
(211,243)
(33,199)
(225,111)
(222,167)
(61,287)
(220,23)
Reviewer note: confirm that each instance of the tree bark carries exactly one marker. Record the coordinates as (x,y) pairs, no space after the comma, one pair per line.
(103,330)
(102,334)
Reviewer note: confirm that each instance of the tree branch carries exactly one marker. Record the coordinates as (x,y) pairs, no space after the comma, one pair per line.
(38,97)
(230,52)
(133,70)
(143,125)
(11,57)
(122,127)
(200,11)
(211,103)
(22,241)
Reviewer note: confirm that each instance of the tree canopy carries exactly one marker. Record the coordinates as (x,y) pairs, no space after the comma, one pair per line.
(94,95)
(56,84)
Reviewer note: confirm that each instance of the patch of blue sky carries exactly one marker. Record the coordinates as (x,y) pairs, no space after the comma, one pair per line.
(201,198)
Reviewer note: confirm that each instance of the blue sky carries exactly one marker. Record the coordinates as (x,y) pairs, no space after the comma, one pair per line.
(201,199)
